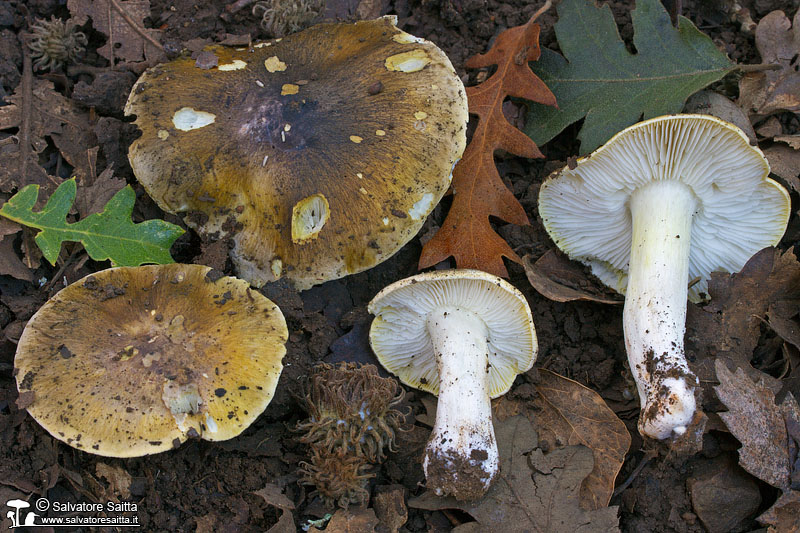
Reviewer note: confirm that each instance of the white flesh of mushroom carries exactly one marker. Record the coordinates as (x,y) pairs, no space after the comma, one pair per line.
(462,441)
(654,318)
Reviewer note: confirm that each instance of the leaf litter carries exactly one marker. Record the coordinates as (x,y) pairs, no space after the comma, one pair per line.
(478,190)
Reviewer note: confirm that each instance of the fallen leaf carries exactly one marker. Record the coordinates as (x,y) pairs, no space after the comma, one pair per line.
(545,500)
(770,128)
(10,263)
(274,496)
(119,480)
(557,278)
(96,191)
(351,521)
(390,507)
(48,114)
(755,420)
(784,515)
(568,413)
(713,103)
(123,23)
(791,140)
(785,163)
(599,80)
(778,42)
(478,191)
(107,235)
(730,325)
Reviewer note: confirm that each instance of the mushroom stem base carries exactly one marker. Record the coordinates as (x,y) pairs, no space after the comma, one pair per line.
(654,317)
(461,457)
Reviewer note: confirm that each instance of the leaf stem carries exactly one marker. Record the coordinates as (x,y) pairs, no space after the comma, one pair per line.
(132,23)
(758,67)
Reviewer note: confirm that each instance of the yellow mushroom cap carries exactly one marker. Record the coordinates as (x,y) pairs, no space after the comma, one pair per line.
(323,151)
(133,360)
(400,339)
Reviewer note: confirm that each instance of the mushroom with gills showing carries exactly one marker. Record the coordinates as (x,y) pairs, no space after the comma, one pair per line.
(320,154)
(463,335)
(664,202)
(132,361)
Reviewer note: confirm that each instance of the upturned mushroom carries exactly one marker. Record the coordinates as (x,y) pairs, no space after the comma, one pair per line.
(134,360)
(321,153)
(463,335)
(661,205)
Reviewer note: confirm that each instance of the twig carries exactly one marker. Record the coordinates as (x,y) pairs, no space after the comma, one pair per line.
(132,23)
(238,5)
(758,67)
(646,459)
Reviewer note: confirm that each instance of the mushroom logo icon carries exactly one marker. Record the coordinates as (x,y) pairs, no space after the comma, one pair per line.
(17,505)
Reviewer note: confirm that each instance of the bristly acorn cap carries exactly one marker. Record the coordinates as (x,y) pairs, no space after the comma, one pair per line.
(741,210)
(323,151)
(133,360)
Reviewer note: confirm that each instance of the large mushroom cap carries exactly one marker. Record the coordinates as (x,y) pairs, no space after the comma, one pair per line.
(324,150)
(133,360)
(400,338)
(740,210)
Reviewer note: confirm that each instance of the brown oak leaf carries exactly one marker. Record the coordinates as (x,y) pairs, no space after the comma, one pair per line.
(557,278)
(534,492)
(478,191)
(778,42)
(122,22)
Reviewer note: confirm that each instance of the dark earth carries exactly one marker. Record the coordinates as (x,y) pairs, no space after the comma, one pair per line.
(207,487)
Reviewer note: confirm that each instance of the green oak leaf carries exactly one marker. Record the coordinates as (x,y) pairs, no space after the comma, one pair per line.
(107,235)
(612,88)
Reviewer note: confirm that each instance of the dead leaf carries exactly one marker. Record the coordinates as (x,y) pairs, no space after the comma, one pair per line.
(778,42)
(119,480)
(10,263)
(755,420)
(123,23)
(478,191)
(351,521)
(95,192)
(784,515)
(557,278)
(785,163)
(712,103)
(568,413)
(791,140)
(545,500)
(770,128)
(730,325)
(274,496)
(390,507)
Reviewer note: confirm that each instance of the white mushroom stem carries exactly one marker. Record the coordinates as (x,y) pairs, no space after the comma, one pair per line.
(654,318)
(461,456)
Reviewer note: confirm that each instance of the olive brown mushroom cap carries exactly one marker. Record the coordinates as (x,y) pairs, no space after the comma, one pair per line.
(134,360)
(400,339)
(739,209)
(323,151)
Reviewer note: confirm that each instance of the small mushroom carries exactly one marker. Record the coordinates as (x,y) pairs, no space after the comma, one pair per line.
(288,147)
(134,360)
(463,335)
(665,202)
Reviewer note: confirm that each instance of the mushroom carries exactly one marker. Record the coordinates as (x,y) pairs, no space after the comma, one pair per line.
(321,153)
(661,205)
(463,335)
(131,361)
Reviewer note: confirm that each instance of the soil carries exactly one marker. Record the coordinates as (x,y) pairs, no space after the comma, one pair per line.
(204,486)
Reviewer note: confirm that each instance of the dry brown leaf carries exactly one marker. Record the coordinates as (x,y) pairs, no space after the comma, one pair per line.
(712,103)
(543,500)
(784,161)
(119,480)
(478,191)
(730,325)
(755,420)
(351,521)
(568,413)
(10,263)
(274,496)
(389,503)
(557,278)
(778,42)
(123,22)
(791,140)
